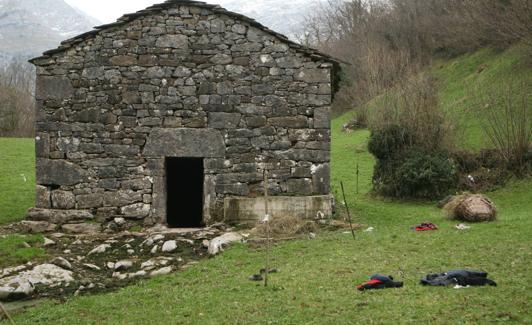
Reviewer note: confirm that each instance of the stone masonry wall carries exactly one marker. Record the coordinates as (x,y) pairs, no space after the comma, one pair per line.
(184,82)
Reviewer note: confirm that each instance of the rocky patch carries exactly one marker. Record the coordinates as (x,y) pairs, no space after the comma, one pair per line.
(82,264)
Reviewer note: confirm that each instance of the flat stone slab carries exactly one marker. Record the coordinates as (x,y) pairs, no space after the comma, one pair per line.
(203,143)
(239,210)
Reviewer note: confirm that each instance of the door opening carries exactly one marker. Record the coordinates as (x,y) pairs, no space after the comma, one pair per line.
(184,192)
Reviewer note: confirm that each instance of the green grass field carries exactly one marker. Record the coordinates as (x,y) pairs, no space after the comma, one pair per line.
(316,283)
(17,178)
(317,279)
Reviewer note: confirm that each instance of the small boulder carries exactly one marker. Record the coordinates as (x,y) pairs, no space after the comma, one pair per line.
(62,262)
(48,242)
(100,249)
(119,276)
(169,246)
(35,227)
(138,274)
(216,245)
(92,267)
(123,265)
(120,221)
(162,271)
(81,228)
(16,289)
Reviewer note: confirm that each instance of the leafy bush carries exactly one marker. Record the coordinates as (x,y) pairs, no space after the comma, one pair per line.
(415,174)
(385,143)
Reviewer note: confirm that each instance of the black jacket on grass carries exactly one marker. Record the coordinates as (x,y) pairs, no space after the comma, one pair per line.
(460,277)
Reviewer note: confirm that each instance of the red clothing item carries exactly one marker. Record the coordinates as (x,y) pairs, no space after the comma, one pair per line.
(426,226)
(370,284)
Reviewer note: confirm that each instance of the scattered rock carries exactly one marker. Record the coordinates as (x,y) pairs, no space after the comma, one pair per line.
(62,262)
(48,242)
(119,221)
(119,276)
(12,270)
(100,249)
(16,289)
(45,274)
(123,265)
(148,265)
(162,271)
(154,249)
(82,228)
(110,265)
(169,246)
(138,274)
(92,267)
(36,227)
(131,251)
(216,245)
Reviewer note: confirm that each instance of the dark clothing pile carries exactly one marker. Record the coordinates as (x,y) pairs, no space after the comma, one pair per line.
(379,281)
(458,277)
(425,226)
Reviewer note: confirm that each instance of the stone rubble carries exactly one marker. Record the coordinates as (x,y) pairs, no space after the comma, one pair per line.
(102,262)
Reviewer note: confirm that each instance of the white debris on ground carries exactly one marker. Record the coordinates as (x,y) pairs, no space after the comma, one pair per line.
(462,226)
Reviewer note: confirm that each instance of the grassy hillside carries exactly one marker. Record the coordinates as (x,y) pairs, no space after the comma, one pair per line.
(464,79)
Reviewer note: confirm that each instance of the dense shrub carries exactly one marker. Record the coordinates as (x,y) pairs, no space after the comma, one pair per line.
(415,174)
(387,142)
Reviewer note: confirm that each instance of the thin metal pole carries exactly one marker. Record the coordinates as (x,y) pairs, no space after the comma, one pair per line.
(267,220)
(347,208)
(358,173)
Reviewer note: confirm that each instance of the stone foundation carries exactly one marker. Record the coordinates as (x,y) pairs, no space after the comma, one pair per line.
(249,211)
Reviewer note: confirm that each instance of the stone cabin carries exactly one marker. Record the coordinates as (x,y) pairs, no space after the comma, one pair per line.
(172,114)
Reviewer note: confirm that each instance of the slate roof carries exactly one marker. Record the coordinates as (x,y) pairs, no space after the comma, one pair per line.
(169,4)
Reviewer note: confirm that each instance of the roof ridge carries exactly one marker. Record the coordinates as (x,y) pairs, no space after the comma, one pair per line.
(126,18)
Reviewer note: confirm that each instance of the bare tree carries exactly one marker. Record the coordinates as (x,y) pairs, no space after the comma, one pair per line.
(17,107)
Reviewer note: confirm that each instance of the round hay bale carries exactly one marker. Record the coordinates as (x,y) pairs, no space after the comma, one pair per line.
(472,208)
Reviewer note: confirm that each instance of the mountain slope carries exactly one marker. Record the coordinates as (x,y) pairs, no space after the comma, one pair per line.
(285,17)
(30,27)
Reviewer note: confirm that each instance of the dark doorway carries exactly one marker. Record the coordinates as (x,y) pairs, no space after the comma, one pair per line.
(184,192)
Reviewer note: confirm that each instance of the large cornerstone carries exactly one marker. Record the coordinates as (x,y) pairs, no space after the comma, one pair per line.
(171,116)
